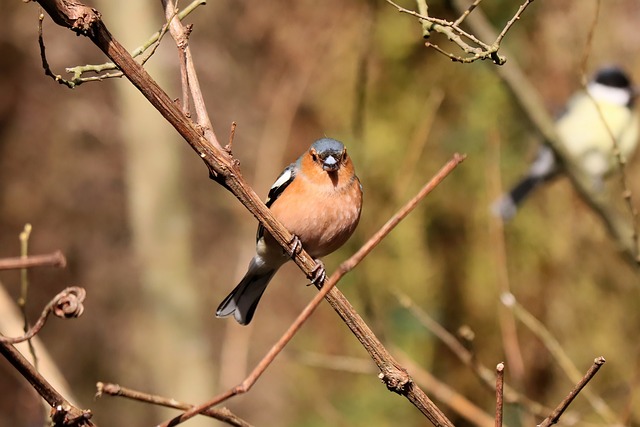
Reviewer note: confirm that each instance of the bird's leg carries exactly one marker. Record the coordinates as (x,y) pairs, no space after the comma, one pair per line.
(319,274)
(295,246)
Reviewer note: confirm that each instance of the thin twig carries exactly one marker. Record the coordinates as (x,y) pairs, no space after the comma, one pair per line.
(229,147)
(510,23)
(109,69)
(333,296)
(445,393)
(457,35)
(63,413)
(499,393)
(43,57)
(54,259)
(559,355)
(67,304)
(466,13)
(507,321)
(222,414)
(190,84)
(352,365)
(467,358)
(24,287)
(415,149)
(557,413)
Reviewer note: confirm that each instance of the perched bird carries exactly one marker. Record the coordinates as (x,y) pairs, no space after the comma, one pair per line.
(318,199)
(584,136)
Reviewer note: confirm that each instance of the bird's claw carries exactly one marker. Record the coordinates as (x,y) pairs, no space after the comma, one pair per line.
(319,274)
(295,246)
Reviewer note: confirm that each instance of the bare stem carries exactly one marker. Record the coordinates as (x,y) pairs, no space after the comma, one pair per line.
(499,393)
(557,413)
(222,414)
(63,413)
(24,287)
(54,259)
(558,353)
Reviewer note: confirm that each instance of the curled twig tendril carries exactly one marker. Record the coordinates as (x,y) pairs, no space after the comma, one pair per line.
(67,304)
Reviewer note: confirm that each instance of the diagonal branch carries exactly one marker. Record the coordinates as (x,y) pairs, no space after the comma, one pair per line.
(63,413)
(222,414)
(557,413)
(222,167)
(392,374)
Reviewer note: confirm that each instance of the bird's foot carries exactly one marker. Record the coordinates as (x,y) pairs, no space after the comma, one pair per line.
(295,246)
(319,274)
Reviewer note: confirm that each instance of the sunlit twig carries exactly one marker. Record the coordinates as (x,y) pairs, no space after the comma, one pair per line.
(557,413)
(222,414)
(559,355)
(472,46)
(499,393)
(55,259)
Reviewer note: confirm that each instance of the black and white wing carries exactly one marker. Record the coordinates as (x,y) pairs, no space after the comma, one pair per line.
(286,177)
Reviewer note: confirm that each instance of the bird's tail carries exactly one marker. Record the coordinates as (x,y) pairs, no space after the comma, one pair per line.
(507,205)
(543,168)
(244,298)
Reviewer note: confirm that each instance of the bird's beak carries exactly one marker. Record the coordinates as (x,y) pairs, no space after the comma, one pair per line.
(330,163)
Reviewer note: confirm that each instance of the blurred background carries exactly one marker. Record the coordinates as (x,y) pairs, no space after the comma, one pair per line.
(157,245)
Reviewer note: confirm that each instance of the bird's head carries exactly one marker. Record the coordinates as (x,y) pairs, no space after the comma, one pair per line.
(328,154)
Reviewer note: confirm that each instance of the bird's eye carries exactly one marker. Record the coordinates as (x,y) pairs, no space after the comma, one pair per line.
(314,154)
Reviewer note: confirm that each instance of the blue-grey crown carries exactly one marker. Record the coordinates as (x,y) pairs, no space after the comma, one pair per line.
(328,145)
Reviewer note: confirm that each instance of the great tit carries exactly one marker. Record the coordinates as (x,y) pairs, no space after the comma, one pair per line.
(585,136)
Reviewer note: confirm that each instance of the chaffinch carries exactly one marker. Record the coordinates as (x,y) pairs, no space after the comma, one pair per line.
(318,199)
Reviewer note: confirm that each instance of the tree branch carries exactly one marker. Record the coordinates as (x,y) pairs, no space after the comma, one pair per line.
(499,393)
(54,259)
(557,413)
(63,413)
(222,414)
(559,355)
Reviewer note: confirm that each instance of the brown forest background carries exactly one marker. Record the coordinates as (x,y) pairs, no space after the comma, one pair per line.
(157,244)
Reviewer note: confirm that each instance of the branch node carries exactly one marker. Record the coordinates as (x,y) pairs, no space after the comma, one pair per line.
(63,415)
(397,381)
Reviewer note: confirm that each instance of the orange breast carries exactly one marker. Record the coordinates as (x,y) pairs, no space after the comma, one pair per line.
(323,212)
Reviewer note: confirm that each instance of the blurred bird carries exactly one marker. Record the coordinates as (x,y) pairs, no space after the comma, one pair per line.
(318,199)
(584,136)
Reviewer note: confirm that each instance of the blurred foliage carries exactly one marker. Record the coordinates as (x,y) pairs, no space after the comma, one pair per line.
(288,73)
